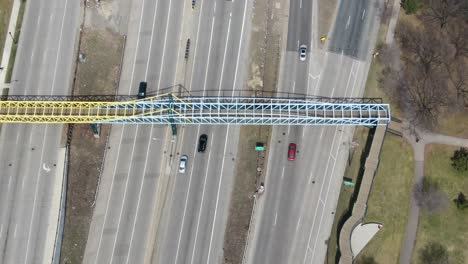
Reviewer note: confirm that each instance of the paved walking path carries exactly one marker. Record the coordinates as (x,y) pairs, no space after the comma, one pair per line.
(9,41)
(418,148)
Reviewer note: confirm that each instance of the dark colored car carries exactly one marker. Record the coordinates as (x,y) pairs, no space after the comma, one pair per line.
(292,151)
(202,141)
(142,90)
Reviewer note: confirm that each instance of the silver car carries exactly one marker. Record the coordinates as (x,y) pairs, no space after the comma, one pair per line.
(183,163)
(303,52)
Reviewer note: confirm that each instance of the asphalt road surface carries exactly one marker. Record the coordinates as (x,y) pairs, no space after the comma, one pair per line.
(120,231)
(29,153)
(141,166)
(293,219)
(195,216)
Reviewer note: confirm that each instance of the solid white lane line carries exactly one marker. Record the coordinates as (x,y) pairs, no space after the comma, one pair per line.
(136,46)
(225,51)
(151,40)
(164,45)
(320,194)
(240,46)
(114,243)
(196,45)
(217,195)
(187,197)
(298,222)
(201,204)
(209,54)
(139,194)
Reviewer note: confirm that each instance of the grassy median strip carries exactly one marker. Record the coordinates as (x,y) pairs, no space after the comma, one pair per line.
(5,12)
(448,225)
(389,201)
(14,47)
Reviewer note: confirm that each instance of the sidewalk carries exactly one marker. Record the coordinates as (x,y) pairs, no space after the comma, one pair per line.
(9,41)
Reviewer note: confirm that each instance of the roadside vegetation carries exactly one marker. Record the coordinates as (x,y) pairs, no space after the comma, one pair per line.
(442,232)
(14,47)
(425,73)
(5,11)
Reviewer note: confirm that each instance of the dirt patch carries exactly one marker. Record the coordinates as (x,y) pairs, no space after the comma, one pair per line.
(98,74)
(264,62)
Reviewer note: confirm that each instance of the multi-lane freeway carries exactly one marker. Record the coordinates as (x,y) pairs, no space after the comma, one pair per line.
(293,219)
(146,211)
(29,154)
(140,184)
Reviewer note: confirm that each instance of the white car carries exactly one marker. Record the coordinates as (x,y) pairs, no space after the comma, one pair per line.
(303,52)
(183,163)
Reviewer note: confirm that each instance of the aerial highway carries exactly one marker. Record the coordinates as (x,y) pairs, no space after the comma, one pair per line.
(29,154)
(141,167)
(192,230)
(120,231)
(293,218)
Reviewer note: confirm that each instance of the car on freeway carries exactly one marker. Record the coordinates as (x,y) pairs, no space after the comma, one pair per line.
(292,151)
(202,141)
(142,90)
(183,163)
(303,52)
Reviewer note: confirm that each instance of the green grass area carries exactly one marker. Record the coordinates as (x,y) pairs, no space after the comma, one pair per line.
(5,11)
(389,201)
(342,208)
(454,125)
(448,226)
(14,47)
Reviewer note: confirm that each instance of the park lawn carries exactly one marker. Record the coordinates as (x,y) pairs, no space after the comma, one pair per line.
(454,125)
(5,11)
(448,226)
(389,201)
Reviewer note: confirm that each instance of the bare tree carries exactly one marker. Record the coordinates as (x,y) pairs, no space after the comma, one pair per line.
(441,10)
(421,45)
(429,196)
(458,79)
(457,34)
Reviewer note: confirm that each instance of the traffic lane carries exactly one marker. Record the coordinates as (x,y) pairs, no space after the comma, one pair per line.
(299,24)
(31,198)
(202,45)
(348,31)
(140,238)
(217,49)
(338,82)
(234,46)
(118,172)
(291,63)
(207,246)
(164,45)
(195,227)
(131,195)
(141,37)
(186,189)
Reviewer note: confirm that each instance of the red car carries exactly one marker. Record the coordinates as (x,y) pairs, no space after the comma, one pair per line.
(292,151)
